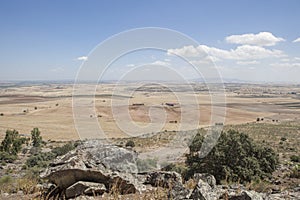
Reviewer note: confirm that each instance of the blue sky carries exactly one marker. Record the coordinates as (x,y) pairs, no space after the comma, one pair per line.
(42,40)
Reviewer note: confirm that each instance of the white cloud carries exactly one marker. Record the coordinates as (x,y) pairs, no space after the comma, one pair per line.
(82,58)
(285,60)
(252,62)
(260,39)
(297,40)
(285,64)
(130,65)
(160,63)
(244,52)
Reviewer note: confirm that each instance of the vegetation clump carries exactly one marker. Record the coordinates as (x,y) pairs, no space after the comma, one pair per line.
(36,137)
(130,143)
(235,158)
(42,159)
(295,158)
(11,146)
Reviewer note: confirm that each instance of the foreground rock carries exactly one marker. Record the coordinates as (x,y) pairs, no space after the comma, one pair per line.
(94,169)
(94,162)
(87,188)
(169,180)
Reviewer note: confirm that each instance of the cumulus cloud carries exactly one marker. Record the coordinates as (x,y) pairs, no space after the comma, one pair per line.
(83,58)
(260,39)
(297,40)
(244,52)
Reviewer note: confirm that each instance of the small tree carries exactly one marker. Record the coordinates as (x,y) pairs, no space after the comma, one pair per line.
(36,137)
(12,143)
(235,157)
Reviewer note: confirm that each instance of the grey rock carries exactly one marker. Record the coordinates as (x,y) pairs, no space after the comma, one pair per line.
(208,178)
(203,191)
(163,179)
(247,195)
(82,187)
(98,163)
(170,180)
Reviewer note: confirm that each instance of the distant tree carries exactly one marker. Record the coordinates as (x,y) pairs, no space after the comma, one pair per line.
(130,143)
(36,137)
(12,143)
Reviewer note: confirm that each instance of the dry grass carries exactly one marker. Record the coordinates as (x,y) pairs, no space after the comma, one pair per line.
(50,107)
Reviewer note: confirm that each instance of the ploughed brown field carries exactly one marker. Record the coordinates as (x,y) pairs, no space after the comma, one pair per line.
(49,106)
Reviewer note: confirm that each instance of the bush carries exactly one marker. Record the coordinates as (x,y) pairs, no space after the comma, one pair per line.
(40,160)
(59,151)
(43,159)
(295,158)
(12,143)
(36,137)
(7,158)
(235,157)
(130,143)
(179,168)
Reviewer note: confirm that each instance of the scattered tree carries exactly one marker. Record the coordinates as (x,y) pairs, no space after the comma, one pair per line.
(130,143)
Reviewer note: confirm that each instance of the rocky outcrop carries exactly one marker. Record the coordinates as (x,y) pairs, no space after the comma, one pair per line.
(170,180)
(96,163)
(94,169)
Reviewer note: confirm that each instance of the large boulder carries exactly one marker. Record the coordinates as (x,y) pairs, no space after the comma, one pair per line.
(208,178)
(95,162)
(88,188)
(163,179)
(170,180)
(206,188)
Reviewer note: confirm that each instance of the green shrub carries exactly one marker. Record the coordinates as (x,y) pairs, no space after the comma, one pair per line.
(40,160)
(295,158)
(12,143)
(179,168)
(43,159)
(235,157)
(36,137)
(59,151)
(7,158)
